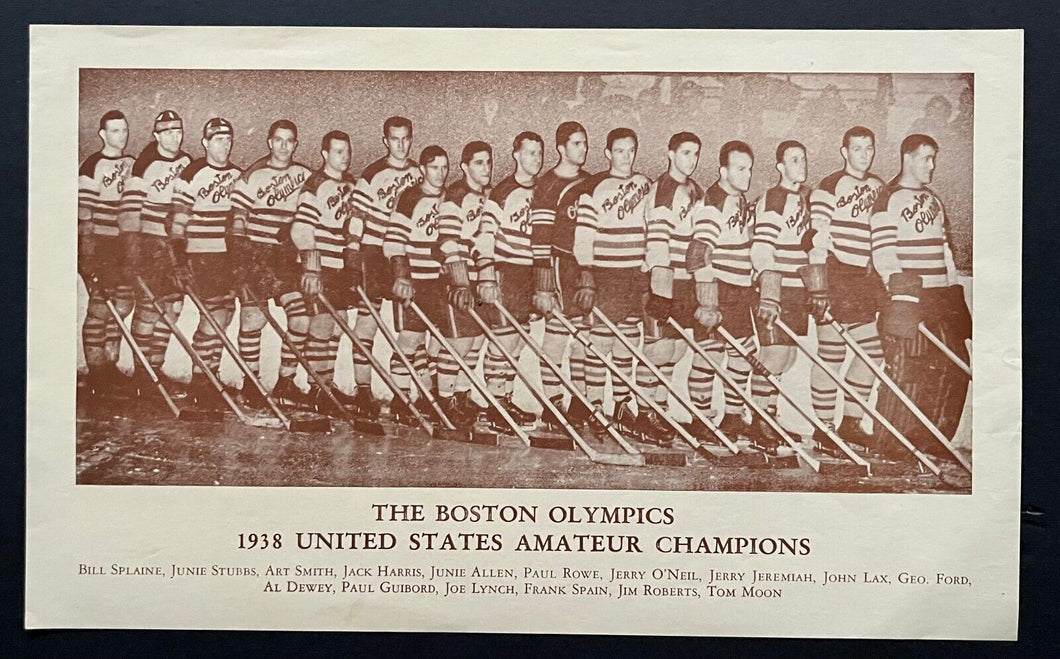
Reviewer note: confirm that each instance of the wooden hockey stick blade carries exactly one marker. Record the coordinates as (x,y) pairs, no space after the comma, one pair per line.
(665,458)
(368,427)
(192,414)
(617,459)
(452,434)
(550,441)
(311,424)
(484,437)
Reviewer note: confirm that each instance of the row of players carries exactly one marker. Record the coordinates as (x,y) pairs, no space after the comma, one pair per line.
(640,252)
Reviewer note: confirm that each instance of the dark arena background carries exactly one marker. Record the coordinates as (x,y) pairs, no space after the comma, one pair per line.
(124,443)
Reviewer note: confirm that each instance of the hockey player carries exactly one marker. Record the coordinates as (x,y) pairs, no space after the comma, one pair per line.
(504,245)
(467,273)
(912,254)
(411,246)
(378,189)
(554,188)
(145,207)
(842,281)
(201,205)
(264,200)
(100,184)
(782,219)
(671,291)
(327,235)
(604,249)
(719,258)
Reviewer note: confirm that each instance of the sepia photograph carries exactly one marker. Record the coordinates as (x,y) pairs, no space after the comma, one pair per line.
(517,279)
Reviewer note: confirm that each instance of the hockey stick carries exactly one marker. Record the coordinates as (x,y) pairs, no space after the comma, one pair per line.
(382,372)
(814,463)
(899,394)
(300,425)
(629,382)
(961,364)
(471,374)
(311,372)
(198,361)
(143,359)
(696,414)
(853,395)
(631,457)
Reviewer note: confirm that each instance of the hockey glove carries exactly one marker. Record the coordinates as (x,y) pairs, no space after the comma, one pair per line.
(487,290)
(769,283)
(353,268)
(88,263)
(182,274)
(707,313)
(402,290)
(310,284)
(585,291)
(660,297)
(544,290)
(815,278)
(900,315)
(459,284)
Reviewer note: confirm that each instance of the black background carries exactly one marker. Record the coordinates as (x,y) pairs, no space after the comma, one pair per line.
(1039,624)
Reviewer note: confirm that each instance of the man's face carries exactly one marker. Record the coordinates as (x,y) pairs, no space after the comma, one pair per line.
(738,172)
(337,156)
(398,141)
(920,163)
(860,154)
(622,154)
(529,157)
(685,158)
(218,147)
(170,139)
(793,166)
(479,169)
(436,171)
(115,134)
(576,149)
(282,145)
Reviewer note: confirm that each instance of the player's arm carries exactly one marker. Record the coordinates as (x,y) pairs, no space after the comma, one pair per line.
(181,208)
(763,257)
(366,206)
(816,241)
(448,236)
(660,227)
(87,199)
(395,249)
(485,252)
(303,237)
(585,231)
(883,231)
(542,219)
(706,229)
(130,222)
(900,317)
(352,265)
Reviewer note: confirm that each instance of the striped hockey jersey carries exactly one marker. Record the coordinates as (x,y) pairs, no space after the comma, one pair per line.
(100,184)
(506,224)
(782,217)
(203,194)
(840,208)
(328,205)
(549,191)
(610,228)
(460,216)
(266,198)
(724,222)
(148,196)
(670,223)
(378,191)
(412,232)
(909,234)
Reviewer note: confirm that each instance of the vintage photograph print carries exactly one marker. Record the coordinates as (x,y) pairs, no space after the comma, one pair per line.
(516,279)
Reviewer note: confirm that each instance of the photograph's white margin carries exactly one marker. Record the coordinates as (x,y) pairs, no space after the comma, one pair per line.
(976,535)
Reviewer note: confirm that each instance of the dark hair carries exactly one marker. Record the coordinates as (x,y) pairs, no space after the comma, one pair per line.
(858,131)
(620,134)
(517,143)
(677,139)
(325,144)
(735,146)
(471,148)
(783,147)
(430,153)
(285,124)
(915,141)
(110,115)
(396,122)
(566,129)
